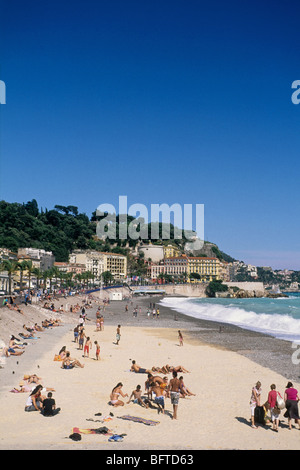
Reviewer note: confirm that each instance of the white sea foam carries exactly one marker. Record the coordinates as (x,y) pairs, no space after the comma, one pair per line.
(281,326)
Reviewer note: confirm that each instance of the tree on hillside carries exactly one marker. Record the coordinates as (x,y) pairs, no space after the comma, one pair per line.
(215,286)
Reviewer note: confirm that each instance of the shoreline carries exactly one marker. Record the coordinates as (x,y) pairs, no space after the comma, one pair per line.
(81,393)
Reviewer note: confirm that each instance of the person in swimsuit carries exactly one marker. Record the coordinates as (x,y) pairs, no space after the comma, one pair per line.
(97,350)
(174,393)
(69,363)
(87,346)
(139,369)
(114,396)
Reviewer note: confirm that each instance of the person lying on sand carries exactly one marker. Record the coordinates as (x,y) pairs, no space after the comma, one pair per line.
(69,363)
(12,352)
(13,344)
(138,369)
(137,397)
(176,369)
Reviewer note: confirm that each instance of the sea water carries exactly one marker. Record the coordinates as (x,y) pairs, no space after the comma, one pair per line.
(278,317)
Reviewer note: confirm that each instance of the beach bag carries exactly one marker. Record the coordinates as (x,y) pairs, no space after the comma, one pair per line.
(280,403)
(259,415)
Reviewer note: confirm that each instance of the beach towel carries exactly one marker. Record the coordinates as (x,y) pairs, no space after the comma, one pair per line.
(137,419)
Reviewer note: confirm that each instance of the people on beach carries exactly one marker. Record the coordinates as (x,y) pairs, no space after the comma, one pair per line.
(118,334)
(274,409)
(159,399)
(137,394)
(61,355)
(174,388)
(87,347)
(138,369)
(254,402)
(69,363)
(81,336)
(97,350)
(184,391)
(180,337)
(35,400)
(114,396)
(291,397)
(49,406)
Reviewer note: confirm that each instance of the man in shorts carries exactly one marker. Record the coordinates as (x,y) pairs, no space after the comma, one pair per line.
(138,369)
(174,388)
(159,399)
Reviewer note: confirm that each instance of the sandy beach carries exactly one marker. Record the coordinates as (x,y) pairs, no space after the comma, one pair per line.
(223,369)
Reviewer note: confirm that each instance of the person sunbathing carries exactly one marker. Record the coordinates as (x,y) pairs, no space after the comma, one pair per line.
(176,369)
(12,352)
(69,363)
(184,391)
(138,369)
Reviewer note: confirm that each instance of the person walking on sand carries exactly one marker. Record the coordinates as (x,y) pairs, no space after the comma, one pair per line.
(87,347)
(180,337)
(159,399)
(254,402)
(97,350)
(291,397)
(118,334)
(275,411)
(174,387)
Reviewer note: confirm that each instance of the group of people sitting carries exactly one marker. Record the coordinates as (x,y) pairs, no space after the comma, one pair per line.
(156,388)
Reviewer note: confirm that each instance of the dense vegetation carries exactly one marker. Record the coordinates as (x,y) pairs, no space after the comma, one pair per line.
(62,230)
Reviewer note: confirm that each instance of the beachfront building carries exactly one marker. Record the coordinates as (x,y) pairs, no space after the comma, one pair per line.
(207,269)
(91,260)
(183,267)
(98,262)
(116,264)
(70,268)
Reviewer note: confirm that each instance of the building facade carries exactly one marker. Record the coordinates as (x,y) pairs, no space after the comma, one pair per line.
(98,262)
(183,267)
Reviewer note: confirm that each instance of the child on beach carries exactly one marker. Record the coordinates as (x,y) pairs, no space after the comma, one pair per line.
(118,334)
(97,350)
(180,337)
(87,346)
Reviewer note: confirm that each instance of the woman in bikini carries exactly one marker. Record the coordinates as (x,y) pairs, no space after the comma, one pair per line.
(114,396)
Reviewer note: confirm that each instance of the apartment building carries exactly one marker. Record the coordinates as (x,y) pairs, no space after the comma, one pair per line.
(98,262)
(207,269)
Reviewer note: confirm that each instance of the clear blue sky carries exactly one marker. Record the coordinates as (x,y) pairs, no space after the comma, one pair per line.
(161,101)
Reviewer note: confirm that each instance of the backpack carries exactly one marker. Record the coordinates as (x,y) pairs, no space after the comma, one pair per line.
(259,415)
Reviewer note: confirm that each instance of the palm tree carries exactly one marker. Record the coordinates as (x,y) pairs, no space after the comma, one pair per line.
(29,269)
(11,267)
(22,266)
(38,275)
(107,277)
(56,273)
